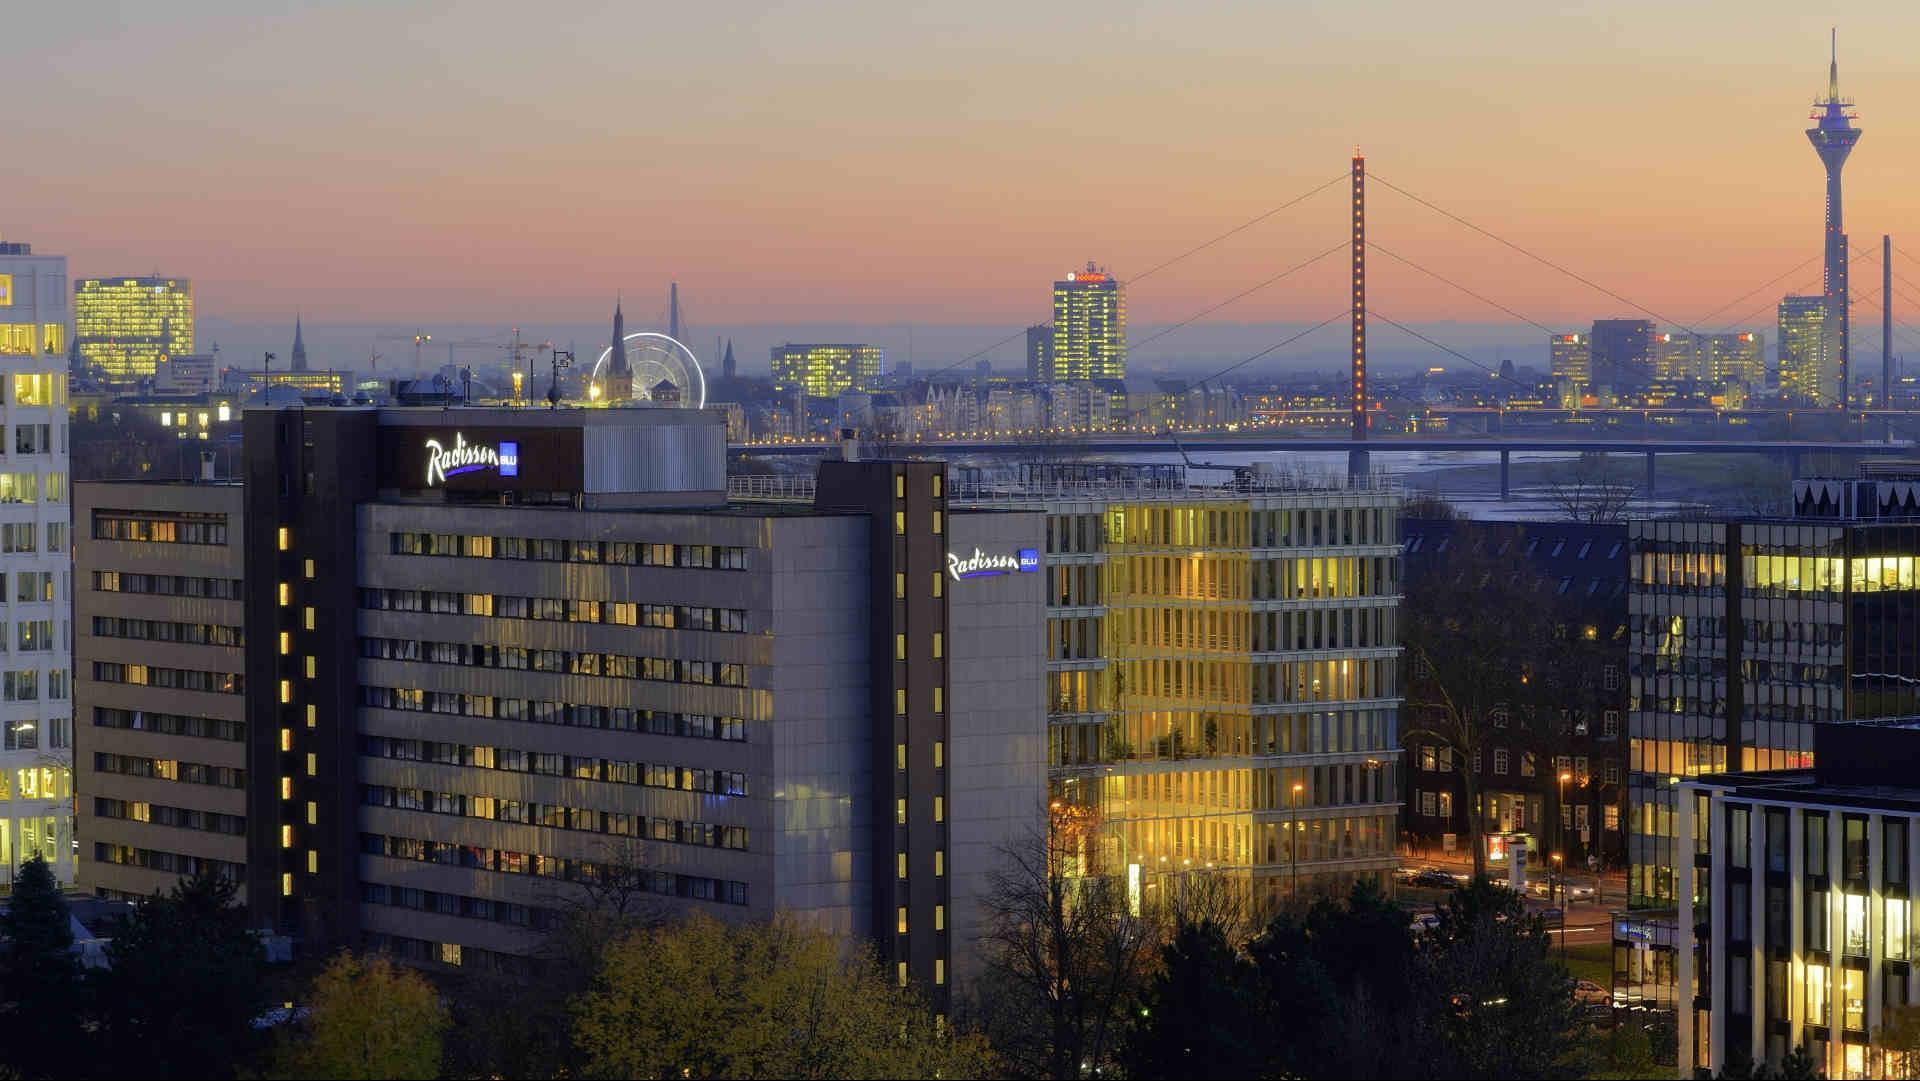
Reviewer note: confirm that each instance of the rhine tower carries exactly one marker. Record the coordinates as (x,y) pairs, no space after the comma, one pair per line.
(1833,136)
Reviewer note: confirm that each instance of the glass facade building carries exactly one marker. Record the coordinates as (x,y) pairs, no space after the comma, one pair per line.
(823,371)
(1223,677)
(127,326)
(1089,327)
(1809,354)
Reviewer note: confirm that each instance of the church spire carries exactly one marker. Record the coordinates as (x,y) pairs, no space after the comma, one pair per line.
(299,347)
(617,360)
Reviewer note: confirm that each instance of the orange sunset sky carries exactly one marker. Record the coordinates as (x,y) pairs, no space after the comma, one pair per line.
(796,163)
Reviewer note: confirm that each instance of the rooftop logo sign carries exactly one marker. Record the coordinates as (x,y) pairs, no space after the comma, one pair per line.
(444,462)
(984,565)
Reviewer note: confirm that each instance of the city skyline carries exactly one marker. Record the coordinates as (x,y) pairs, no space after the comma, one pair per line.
(615,176)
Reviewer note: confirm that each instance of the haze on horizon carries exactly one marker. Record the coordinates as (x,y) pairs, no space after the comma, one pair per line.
(840,164)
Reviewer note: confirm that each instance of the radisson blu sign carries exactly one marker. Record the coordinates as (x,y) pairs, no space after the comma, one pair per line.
(984,564)
(461,458)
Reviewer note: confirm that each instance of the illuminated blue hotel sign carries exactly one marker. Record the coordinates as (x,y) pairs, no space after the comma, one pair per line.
(984,565)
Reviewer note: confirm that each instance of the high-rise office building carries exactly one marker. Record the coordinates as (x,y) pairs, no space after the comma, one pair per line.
(1623,354)
(1570,359)
(1809,366)
(1676,357)
(825,370)
(126,326)
(1089,327)
(36,756)
(1222,665)
(1040,352)
(162,771)
(1833,136)
(1734,359)
(1747,636)
(493,656)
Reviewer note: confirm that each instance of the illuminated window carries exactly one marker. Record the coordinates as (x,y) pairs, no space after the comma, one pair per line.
(899,486)
(1896,928)
(939,645)
(899,647)
(939,808)
(939,970)
(450,953)
(313,862)
(939,523)
(938,484)
(286,594)
(939,584)
(313,765)
(310,666)
(900,523)
(308,568)
(307,619)
(900,756)
(900,812)
(313,715)
(900,584)
(313,813)
(901,859)
(901,919)
(900,700)
(903,973)
(286,836)
(939,753)
(286,643)
(286,739)
(939,917)
(286,691)
(939,862)
(286,538)
(939,700)
(286,788)
(286,884)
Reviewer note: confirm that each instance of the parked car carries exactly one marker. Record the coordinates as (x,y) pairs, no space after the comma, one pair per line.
(1424,922)
(1587,992)
(1436,879)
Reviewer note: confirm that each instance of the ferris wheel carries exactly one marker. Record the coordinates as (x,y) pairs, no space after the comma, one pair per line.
(654,357)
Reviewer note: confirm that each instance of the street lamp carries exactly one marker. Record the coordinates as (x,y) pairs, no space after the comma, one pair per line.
(1561,825)
(1293,839)
(1563,911)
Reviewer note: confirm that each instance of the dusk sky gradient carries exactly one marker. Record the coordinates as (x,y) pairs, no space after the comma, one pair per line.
(485,164)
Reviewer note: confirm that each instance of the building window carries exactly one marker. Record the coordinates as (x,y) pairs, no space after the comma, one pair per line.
(1502,758)
(1819,992)
(1854,912)
(286,538)
(899,523)
(1895,924)
(1446,805)
(900,584)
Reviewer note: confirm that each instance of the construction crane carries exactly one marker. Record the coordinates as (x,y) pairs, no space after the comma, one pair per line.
(418,337)
(531,351)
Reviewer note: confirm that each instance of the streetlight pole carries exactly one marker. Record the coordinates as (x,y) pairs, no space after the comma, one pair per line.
(1293,840)
(1561,828)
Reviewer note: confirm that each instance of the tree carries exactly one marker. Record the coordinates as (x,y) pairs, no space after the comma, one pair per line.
(1585,492)
(1897,1040)
(367,1018)
(1065,955)
(1496,1002)
(185,982)
(776,999)
(1202,1016)
(40,985)
(1473,627)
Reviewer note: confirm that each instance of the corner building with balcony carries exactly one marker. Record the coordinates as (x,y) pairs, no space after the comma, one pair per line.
(1222,672)
(498,662)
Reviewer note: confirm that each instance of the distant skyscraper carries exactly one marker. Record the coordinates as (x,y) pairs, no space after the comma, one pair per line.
(1571,358)
(1040,352)
(824,370)
(1833,136)
(1733,359)
(125,325)
(1622,354)
(36,762)
(1809,363)
(299,347)
(1675,357)
(1089,327)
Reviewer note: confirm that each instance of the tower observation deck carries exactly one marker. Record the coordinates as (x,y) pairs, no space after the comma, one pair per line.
(1833,136)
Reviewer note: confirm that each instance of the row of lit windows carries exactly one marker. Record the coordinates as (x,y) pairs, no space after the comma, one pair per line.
(184,679)
(33,487)
(25,735)
(170,862)
(503,861)
(556,609)
(721,782)
(573,715)
(553,816)
(27,339)
(156,527)
(169,724)
(170,769)
(553,550)
(169,585)
(161,630)
(185,818)
(571,662)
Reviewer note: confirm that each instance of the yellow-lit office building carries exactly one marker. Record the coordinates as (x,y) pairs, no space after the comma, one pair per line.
(1089,327)
(1223,676)
(126,326)
(825,370)
(1809,354)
